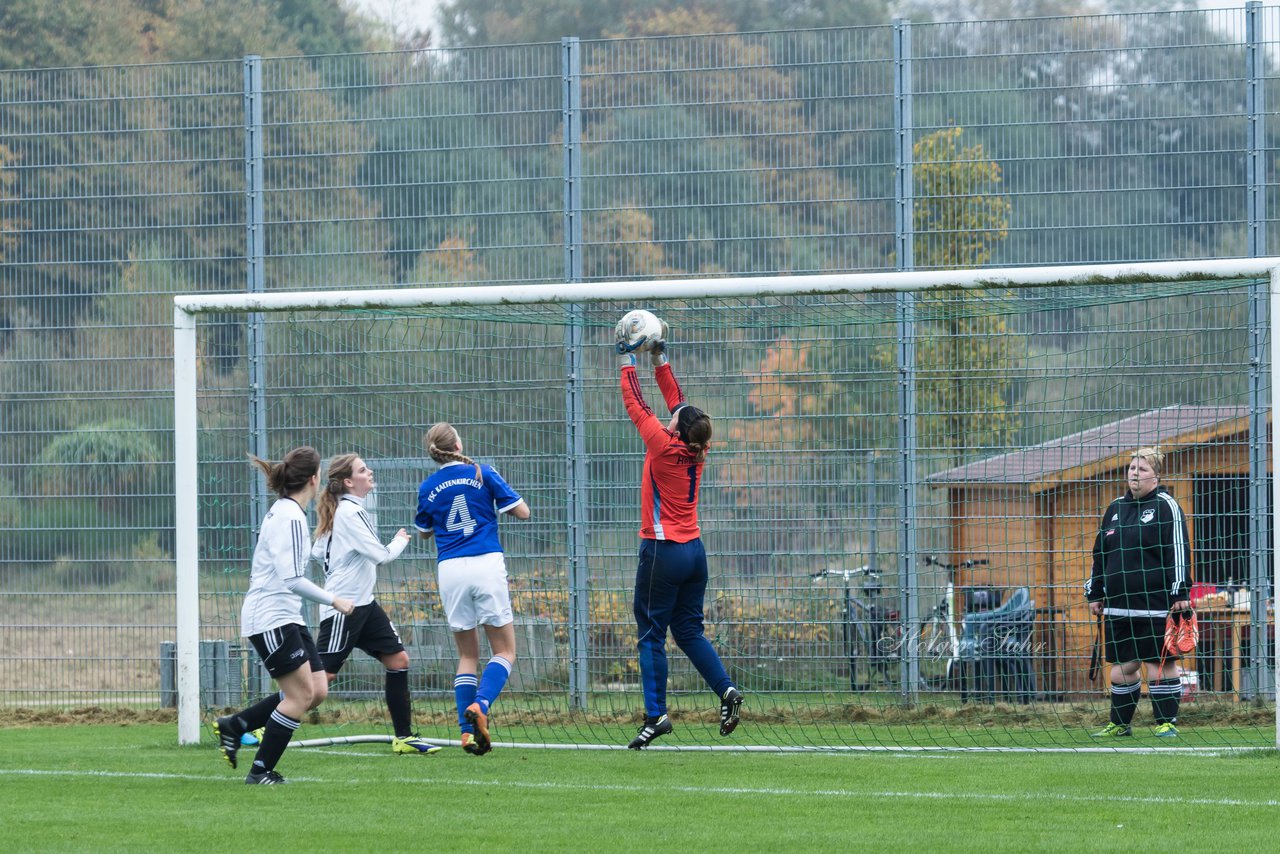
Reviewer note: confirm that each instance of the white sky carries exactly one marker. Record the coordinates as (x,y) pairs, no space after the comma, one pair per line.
(402,15)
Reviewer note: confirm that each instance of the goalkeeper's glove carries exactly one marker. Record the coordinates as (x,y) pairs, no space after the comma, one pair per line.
(658,353)
(658,348)
(626,354)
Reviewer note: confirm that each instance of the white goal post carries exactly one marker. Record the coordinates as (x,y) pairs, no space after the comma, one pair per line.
(187,309)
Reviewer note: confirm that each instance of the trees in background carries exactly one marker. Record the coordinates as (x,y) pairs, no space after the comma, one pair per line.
(758,150)
(966,353)
(121,185)
(716,142)
(488,22)
(789,452)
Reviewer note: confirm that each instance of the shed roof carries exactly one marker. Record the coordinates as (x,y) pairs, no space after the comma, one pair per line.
(1100,449)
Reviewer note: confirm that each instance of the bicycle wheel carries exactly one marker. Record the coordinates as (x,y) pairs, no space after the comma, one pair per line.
(873,665)
(861,664)
(935,651)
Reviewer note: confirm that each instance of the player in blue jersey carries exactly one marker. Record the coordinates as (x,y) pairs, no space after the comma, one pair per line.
(671,580)
(459,506)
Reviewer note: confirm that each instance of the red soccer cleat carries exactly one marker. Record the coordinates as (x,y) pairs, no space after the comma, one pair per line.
(1181,632)
(1188,632)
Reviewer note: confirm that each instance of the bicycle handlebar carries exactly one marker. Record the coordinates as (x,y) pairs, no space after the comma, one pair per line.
(846,574)
(932,560)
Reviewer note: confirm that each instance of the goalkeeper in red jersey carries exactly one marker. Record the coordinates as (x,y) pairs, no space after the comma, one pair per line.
(671,580)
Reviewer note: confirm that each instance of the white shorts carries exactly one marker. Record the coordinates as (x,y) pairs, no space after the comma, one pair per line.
(474,591)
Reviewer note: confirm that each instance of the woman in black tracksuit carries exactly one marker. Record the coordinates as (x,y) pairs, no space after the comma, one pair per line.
(1141,572)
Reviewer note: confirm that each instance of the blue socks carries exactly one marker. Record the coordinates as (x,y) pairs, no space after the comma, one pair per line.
(467,689)
(492,681)
(464,694)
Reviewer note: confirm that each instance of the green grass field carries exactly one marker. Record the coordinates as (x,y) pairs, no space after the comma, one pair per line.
(132,788)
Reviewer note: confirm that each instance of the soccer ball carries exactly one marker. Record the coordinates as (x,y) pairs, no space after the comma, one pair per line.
(639,329)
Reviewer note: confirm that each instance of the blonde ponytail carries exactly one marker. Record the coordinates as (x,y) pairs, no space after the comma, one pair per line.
(442,445)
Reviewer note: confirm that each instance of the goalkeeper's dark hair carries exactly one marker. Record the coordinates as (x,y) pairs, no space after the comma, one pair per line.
(340,468)
(694,427)
(291,474)
(442,444)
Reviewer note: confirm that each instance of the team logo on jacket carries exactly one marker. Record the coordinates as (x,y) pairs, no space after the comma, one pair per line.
(1147,516)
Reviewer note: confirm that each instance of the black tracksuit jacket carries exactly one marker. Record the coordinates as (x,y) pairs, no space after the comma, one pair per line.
(1141,557)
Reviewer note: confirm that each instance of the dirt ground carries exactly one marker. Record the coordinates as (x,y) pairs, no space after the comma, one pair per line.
(89,647)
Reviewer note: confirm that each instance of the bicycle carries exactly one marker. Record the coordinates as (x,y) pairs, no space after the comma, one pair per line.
(937,641)
(865,627)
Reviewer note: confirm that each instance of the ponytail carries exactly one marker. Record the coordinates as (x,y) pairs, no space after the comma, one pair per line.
(442,444)
(694,428)
(291,474)
(340,468)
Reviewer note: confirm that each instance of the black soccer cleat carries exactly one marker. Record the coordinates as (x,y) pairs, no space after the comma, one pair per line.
(472,745)
(730,708)
(653,727)
(266,778)
(228,731)
(476,716)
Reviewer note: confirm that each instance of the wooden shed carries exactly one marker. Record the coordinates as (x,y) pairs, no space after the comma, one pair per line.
(1033,515)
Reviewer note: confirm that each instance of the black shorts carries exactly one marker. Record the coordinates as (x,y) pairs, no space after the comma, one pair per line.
(286,648)
(368,629)
(1135,639)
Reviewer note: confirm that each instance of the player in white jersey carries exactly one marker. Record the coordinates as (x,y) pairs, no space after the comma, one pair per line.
(459,505)
(272,618)
(348,548)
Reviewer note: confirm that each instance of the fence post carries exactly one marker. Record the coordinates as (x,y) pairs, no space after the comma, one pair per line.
(575,407)
(254,251)
(1255,130)
(909,662)
(168,675)
(1259,672)
(903,139)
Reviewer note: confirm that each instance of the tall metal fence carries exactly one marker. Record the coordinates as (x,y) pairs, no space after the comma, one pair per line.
(910,146)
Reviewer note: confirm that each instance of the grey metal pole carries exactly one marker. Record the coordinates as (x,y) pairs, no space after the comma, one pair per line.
(255,241)
(1259,674)
(871,499)
(1255,131)
(909,663)
(903,137)
(1273,684)
(575,408)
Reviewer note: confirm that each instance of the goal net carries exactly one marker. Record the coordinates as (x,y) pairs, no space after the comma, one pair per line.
(907,478)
